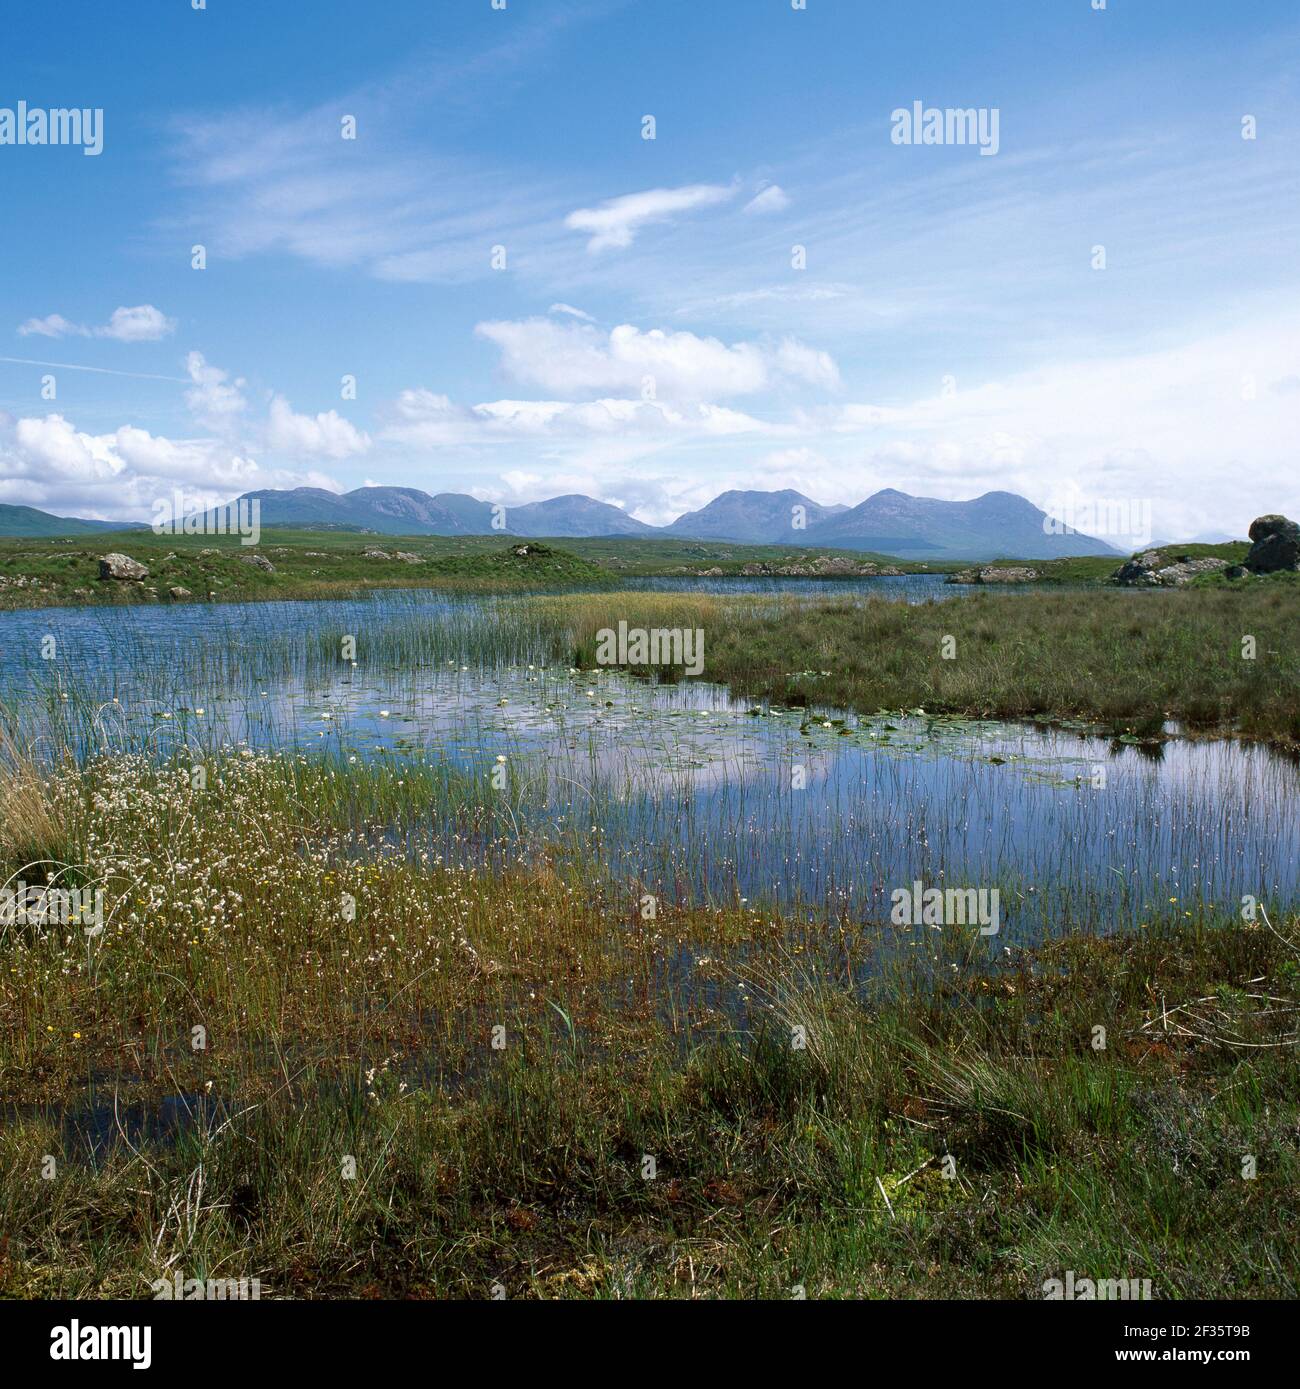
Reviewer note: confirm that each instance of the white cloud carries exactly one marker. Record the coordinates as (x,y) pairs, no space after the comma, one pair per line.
(51,326)
(143,323)
(571,311)
(773,198)
(574,359)
(423,419)
(615,222)
(49,463)
(1165,426)
(214,399)
(327,434)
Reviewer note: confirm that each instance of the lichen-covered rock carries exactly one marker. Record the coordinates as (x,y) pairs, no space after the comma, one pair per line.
(1176,575)
(1154,569)
(121,567)
(178,592)
(258,562)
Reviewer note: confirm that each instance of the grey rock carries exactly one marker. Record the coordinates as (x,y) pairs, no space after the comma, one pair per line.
(1176,575)
(994,574)
(258,562)
(1276,545)
(122,567)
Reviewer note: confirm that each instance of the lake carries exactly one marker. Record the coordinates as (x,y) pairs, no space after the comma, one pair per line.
(680,789)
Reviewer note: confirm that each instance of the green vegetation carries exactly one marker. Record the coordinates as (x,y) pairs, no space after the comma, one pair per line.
(309,564)
(332,1037)
(1126,660)
(1097,569)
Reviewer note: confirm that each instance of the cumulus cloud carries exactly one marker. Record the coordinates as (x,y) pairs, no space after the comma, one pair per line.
(615,222)
(327,433)
(575,359)
(215,399)
(142,323)
(49,463)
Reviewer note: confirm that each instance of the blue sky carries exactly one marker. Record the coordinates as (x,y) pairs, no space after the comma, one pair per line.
(649,340)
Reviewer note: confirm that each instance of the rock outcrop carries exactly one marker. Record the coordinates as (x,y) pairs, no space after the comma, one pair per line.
(1154,569)
(1276,545)
(122,567)
(820,567)
(992,574)
(258,562)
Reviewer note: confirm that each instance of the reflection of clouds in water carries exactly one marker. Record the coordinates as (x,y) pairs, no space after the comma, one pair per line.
(685,781)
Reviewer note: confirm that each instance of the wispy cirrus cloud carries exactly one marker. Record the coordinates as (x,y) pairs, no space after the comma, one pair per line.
(773,198)
(615,222)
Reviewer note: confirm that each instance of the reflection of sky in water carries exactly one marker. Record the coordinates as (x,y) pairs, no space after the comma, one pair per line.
(693,790)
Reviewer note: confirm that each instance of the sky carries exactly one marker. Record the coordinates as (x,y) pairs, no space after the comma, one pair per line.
(438,251)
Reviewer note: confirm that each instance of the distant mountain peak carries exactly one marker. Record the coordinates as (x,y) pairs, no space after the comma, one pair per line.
(995,525)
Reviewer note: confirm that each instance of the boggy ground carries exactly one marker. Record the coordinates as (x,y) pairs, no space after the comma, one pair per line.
(362,1042)
(1218,660)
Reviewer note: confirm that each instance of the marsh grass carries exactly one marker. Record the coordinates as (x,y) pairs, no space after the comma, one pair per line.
(368,1037)
(1129,661)
(31,830)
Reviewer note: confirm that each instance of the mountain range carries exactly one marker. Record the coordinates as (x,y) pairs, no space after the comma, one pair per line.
(998,524)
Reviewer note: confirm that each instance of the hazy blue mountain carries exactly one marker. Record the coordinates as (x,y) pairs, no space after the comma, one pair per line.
(474,515)
(574,516)
(756,518)
(27,520)
(998,524)
(387,510)
(408,511)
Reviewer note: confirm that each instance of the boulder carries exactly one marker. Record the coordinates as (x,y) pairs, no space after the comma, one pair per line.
(1155,570)
(258,562)
(1140,571)
(1008,574)
(993,574)
(373,553)
(121,567)
(178,592)
(1276,545)
(1176,575)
